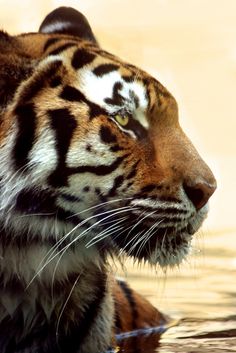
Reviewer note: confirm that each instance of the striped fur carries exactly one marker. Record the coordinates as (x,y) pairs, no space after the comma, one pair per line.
(93,164)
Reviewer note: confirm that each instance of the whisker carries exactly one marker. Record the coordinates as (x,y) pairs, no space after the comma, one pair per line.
(136,224)
(58,261)
(99,205)
(101,234)
(111,232)
(19,171)
(144,238)
(64,306)
(147,236)
(129,252)
(36,214)
(152,231)
(57,245)
(122,209)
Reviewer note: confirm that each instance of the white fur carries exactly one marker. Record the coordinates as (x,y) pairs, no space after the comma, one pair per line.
(36,262)
(55,27)
(43,156)
(96,89)
(78,155)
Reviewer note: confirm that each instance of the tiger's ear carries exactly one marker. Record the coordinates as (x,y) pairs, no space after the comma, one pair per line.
(66,20)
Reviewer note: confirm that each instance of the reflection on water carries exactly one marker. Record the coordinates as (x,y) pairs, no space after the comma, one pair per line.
(200,296)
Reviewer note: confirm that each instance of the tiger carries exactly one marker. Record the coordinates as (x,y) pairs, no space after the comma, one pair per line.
(94,167)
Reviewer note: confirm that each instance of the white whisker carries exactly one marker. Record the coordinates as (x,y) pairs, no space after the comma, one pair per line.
(133,227)
(100,235)
(147,236)
(120,210)
(54,248)
(64,306)
(99,205)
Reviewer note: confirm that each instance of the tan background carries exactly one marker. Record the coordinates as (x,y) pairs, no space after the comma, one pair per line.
(190,46)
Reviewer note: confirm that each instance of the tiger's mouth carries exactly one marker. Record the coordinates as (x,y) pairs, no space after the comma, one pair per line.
(167,245)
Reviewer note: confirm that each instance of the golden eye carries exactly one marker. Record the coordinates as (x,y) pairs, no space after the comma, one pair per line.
(122,119)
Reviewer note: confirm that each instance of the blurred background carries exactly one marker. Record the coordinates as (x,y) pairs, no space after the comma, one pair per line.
(190,46)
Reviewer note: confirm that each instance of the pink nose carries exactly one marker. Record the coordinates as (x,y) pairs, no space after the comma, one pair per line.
(199,192)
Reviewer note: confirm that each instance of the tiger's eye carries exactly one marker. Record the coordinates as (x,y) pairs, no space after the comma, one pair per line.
(122,119)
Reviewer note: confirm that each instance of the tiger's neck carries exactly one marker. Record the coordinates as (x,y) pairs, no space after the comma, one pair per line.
(53,303)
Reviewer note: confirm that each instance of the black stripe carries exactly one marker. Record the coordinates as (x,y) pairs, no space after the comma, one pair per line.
(64,124)
(105,69)
(129,185)
(39,82)
(100,170)
(72,94)
(116,184)
(135,98)
(116,148)
(56,81)
(42,203)
(116,99)
(106,135)
(129,296)
(62,48)
(31,201)
(70,198)
(128,79)
(69,217)
(95,110)
(151,187)
(50,42)
(81,58)
(133,171)
(66,215)
(26,121)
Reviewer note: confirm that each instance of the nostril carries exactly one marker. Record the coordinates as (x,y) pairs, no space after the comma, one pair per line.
(199,193)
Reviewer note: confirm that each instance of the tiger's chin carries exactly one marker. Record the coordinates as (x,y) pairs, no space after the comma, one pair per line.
(165,251)
(172,252)
(167,247)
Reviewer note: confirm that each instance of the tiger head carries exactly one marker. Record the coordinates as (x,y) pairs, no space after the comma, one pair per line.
(92,154)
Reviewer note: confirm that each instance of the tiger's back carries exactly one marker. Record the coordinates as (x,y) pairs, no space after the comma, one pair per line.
(93,164)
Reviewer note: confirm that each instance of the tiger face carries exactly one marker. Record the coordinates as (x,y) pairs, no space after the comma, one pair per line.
(92,153)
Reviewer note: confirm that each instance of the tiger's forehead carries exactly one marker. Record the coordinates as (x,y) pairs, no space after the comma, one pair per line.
(101,77)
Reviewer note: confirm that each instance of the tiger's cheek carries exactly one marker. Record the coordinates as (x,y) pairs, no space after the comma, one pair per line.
(92,163)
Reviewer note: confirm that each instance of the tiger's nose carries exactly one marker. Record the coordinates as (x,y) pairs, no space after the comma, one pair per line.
(199,192)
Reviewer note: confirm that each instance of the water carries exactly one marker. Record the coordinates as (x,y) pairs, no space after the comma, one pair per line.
(200,297)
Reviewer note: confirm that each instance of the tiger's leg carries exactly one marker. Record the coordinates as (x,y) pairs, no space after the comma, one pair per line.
(133,311)
(138,324)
